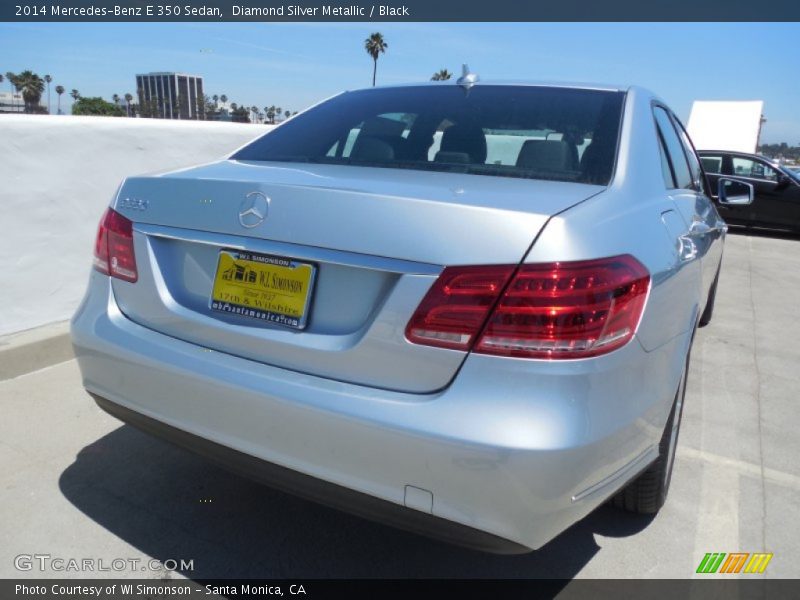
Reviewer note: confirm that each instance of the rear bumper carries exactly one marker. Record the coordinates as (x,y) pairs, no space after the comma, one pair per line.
(512,453)
(315,489)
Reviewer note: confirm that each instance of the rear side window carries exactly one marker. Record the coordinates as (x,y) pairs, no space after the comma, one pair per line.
(560,134)
(746,167)
(691,156)
(681,174)
(666,169)
(712,163)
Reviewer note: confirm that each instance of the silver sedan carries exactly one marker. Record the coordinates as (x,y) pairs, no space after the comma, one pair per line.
(462,308)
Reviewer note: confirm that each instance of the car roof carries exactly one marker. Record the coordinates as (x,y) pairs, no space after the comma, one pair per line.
(737,152)
(711,150)
(511,83)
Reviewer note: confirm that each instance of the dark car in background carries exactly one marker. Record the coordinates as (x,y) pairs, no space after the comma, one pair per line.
(777,189)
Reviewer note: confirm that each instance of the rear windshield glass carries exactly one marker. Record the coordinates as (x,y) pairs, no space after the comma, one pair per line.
(550,133)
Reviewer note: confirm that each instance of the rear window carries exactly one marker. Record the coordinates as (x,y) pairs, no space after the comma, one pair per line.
(557,134)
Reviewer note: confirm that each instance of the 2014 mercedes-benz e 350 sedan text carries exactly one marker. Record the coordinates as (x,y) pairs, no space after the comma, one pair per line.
(463,308)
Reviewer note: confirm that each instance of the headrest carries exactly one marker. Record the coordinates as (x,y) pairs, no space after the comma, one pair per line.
(372,149)
(546,155)
(466,139)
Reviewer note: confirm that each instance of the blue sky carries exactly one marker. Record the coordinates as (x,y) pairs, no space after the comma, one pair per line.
(293,65)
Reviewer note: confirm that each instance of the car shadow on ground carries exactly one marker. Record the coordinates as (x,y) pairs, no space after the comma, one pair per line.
(171,504)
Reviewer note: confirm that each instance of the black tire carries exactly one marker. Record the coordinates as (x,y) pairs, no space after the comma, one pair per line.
(708,312)
(648,492)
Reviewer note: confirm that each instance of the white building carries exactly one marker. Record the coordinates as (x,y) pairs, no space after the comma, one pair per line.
(11,102)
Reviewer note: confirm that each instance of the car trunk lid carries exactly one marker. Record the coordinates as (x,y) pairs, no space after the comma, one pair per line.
(374,238)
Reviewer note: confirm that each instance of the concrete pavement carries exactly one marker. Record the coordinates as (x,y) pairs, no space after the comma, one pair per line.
(78,484)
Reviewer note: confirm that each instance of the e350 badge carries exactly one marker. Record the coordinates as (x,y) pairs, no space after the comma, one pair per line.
(133,204)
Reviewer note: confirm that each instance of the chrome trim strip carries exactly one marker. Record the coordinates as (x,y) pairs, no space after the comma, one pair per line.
(638,463)
(310,253)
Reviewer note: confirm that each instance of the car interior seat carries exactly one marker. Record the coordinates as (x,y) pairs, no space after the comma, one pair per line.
(462,143)
(547,155)
(370,148)
(597,161)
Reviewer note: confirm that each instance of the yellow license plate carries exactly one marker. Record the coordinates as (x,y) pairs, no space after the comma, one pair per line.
(259,286)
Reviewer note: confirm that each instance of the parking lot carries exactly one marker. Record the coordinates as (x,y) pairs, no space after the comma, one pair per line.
(78,484)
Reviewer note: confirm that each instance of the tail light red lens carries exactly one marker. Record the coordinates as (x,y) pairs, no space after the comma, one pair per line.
(553,311)
(113,247)
(568,310)
(455,308)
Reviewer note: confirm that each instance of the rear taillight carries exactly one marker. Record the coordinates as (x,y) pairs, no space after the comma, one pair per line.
(554,310)
(113,247)
(455,308)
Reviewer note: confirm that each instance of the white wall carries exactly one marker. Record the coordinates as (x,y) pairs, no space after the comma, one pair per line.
(57,174)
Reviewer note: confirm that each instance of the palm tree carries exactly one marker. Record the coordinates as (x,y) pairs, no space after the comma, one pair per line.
(375,45)
(11,77)
(59,91)
(223,99)
(271,114)
(279,111)
(128,98)
(75,95)
(234,106)
(12,82)
(215,98)
(31,86)
(442,75)
(115,98)
(47,80)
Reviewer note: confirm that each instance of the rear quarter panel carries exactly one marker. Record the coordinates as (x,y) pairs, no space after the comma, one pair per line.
(636,216)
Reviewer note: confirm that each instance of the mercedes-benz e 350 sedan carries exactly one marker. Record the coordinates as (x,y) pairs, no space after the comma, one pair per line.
(463,308)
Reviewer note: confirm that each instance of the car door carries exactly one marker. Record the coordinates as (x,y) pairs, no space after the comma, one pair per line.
(712,165)
(776,197)
(704,228)
(791,200)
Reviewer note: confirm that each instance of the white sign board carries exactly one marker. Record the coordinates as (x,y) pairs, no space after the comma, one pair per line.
(726,125)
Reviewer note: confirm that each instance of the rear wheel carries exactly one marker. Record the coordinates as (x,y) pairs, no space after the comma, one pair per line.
(647,493)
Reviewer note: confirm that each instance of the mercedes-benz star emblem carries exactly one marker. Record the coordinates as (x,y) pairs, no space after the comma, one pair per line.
(253,209)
